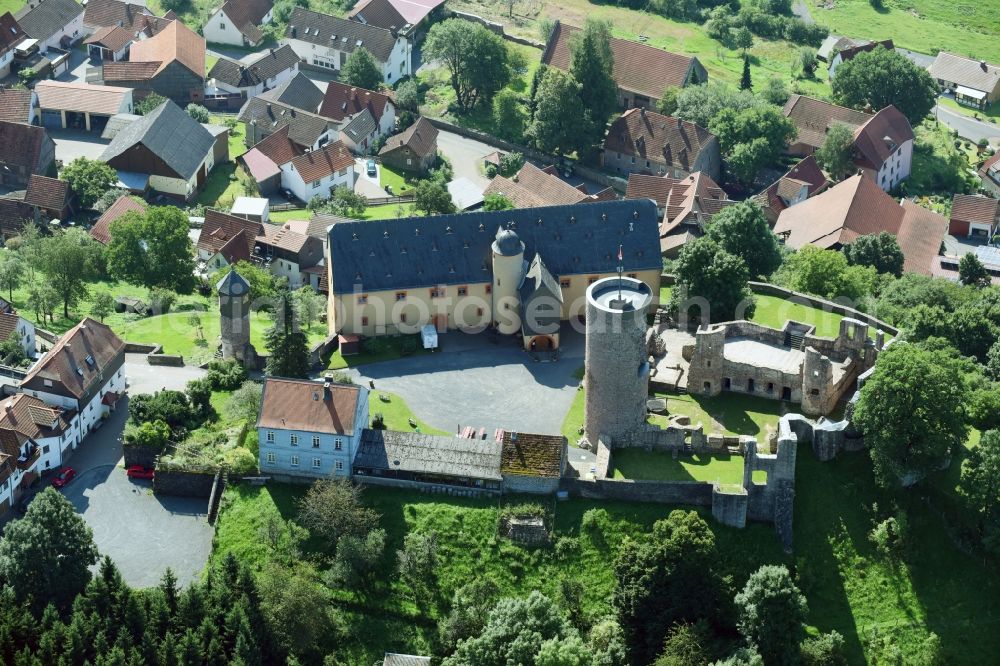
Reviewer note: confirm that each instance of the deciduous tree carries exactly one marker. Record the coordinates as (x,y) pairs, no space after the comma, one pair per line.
(742,230)
(11,273)
(911,412)
(102,305)
(88,179)
(835,153)
(979,488)
(508,116)
(881,77)
(68,259)
(699,104)
(432,197)
(361,70)
(332,509)
(706,271)
(476,59)
(153,249)
(771,613)
(880,251)
(560,123)
(496,201)
(972,271)
(592,66)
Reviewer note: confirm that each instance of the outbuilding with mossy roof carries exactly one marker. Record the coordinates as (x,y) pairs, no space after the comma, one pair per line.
(531,463)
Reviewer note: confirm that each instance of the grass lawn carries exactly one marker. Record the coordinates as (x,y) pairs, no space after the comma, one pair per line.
(236,145)
(397,415)
(990,113)
(936,159)
(384,212)
(222,187)
(376,350)
(210,61)
(401,182)
(729,413)
(640,465)
(965,27)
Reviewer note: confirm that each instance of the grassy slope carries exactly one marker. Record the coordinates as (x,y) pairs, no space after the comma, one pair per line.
(965,27)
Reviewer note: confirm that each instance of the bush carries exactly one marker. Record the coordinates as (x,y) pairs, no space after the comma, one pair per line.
(198,112)
(161,300)
(595,520)
(171,407)
(566,547)
(378,421)
(200,394)
(226,375)
(240,461)
(152,435)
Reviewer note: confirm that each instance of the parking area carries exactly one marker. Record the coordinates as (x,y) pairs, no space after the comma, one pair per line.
(144,534)
(71,144)
(474,382)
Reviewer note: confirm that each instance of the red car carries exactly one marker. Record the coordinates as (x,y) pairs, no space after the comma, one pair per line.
(63,476)
(139,472)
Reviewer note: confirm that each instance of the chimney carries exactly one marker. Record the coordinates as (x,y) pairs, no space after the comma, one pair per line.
(982,63)
(327,387)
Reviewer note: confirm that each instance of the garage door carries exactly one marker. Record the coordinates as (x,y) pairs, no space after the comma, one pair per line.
(51,119)
(98,123)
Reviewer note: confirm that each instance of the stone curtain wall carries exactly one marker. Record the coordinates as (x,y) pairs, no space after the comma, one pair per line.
(140,455)
(183,484)
(696,493)
(535,485)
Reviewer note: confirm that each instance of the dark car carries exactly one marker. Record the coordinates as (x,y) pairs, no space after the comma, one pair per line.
(139,472)
(63,476)
(371,168)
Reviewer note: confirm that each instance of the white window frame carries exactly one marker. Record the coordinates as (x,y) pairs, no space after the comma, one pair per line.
(270,458)
(295,461)
(338,445)
(317,463)
(293,439)
(269,436)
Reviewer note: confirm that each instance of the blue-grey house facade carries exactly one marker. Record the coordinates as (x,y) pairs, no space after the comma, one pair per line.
(309,429)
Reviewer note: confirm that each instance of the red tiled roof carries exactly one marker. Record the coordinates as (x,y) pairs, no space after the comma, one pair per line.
(659,138)
(329,159)
(879,138)
(15,105)
(22,144)
(82,97)
(125,70)
(303,405)
(114,12)
(920,237)
(101,231)
(247,15)
(10,32)
(420,137)
(532,187)
(280,237)
(31,417)
(813,117)
(991,168)
(259,165)
(278,147)
(220,227)
(974,208)
(851,51)
(48,193)
(637,67)
(342,101)
(175,42)
(66,364)
(238,248)
(694,199)
(111,37)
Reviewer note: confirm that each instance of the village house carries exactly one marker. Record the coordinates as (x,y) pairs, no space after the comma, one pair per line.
(166,151)
(170,63)
(226,239)
(989,175)
(326,42)
(11,34)
(50,198)
(802,181)
(411,18)
(858,207)
(974,214)
(101,231)
(532,187)
(685,205)
(363,115)
(642,141)
(974,83)
(18,105)
(16,326)
(52,23)
(464,271)
(309,429)
(270,70)
(414,149)
(294,104)
(947,266)
(883,142)
(82,375)
(641,72)
(28,150)
(846,53)
(81,106)
(19,466)
(109,43)
(47,428)
(114,14)
(239,22)
(414,459)
(279,161)
(14,214)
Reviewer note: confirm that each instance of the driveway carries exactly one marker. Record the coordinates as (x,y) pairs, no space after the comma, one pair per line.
(71,144)
(78,64)
(967,128)
(466,156)
(472,382)
(368,186)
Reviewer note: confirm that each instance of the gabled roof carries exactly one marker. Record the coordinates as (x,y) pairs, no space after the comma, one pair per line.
(48,193)
(30,416)
(329,159)
(307,406)
(637,67)
(279,148)
(359,127)
(112,37)
(848,52)
(540,294)
(974,208)
(418,453)
(106,13)
(175,42)
(379,255)
(420,137)
(384,13)
(101,231)
(238,248)
(532,455)
(342,101)
(219,228)
(280,236)
(880,137)
(11,34)
(304,128)
(814,117)
(48,17)
(991,169)
(659,138)
(323,30)
(267,66)
(299,92)
(22,144)
(82,97)
(677,196)
(170,134)
(975,74)
(15,105)
(920,237)
(247,16)
(807,171)
(532,187)
(79,360)
(13,214)
(9,324)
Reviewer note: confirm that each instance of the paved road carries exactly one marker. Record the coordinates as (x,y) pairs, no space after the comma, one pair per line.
(968,128)
(466,156)
(801,10)
(470,382)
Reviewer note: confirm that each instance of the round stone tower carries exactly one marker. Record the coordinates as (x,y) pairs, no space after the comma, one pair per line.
(234,310)
(508,269)
(617,365)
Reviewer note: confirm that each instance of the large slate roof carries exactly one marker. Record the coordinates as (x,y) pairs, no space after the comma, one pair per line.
(48,17)
(171,134)
(299,92)
(382,255)
(325,30)
(418,453)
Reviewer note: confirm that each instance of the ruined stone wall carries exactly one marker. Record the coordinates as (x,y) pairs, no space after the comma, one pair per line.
(535,485)
(695,493)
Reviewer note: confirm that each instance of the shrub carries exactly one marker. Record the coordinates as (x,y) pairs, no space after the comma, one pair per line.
(199,392)
(171,407)
(240,461)
(566,547)
(595,520)
(378,421)
(152,435)
(226,375)
(161,300)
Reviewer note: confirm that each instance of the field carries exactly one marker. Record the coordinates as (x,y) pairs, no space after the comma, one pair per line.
(640,465)
(964,27)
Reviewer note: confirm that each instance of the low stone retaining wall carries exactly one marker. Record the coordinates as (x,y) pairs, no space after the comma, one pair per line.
(142,348)
(695,493)
(320,349)
(174,360)
(183,484)
(140,455)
